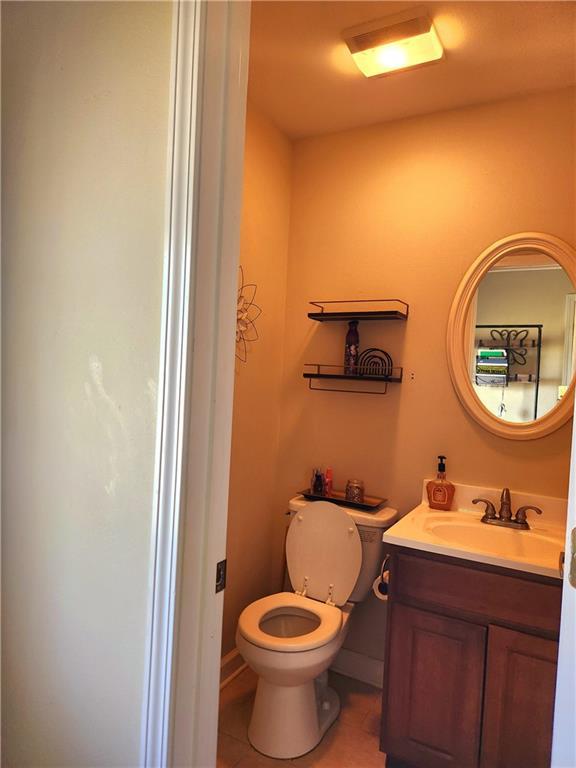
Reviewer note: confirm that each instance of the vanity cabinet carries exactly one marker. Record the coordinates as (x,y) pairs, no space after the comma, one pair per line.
(470,664)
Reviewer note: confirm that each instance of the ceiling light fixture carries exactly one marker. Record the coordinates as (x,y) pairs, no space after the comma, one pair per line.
(398,42)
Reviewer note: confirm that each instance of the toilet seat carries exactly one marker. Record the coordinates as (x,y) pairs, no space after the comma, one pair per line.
(323,552)
(330,618)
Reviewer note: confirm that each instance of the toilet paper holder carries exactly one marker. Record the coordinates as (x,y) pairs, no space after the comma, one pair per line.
(380,585)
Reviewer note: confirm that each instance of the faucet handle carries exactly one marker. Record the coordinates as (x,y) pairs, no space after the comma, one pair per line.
(521,513)
(490,510)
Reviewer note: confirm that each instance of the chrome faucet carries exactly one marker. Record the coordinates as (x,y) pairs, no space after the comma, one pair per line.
(504,514)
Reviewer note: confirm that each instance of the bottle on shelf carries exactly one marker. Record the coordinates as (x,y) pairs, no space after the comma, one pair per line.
(351,348)
(318,486)
(328,479)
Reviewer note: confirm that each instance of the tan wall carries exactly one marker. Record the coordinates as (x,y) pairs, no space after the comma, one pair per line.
(85,112)
(255,436)
(402,210)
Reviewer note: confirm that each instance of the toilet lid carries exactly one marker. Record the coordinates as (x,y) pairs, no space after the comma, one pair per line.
(323,548)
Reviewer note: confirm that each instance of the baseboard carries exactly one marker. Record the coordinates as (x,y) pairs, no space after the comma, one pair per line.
(231,666)
(359,667)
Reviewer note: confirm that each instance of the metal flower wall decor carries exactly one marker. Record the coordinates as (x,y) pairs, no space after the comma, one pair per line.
(246,313)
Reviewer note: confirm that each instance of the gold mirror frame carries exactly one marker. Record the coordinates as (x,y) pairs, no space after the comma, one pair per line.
(457,341)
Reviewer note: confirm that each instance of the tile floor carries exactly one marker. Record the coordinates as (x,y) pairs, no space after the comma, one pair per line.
(351,742)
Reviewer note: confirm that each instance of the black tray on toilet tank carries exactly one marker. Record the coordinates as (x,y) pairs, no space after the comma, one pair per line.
(370,503)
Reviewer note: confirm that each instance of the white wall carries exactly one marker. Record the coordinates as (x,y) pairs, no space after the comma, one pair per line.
(84,136)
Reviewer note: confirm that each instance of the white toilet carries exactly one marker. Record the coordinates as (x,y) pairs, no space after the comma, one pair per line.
(290,639)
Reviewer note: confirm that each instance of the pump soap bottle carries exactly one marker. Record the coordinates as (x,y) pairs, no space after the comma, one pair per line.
(440,491)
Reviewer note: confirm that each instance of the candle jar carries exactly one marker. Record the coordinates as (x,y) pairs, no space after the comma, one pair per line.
(355,491)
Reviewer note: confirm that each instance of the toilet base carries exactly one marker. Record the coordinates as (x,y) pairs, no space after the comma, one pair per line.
(289,721)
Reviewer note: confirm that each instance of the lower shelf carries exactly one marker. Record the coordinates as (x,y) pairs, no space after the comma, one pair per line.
(329,374)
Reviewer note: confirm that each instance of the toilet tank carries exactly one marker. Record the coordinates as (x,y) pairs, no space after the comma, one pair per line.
(371,526)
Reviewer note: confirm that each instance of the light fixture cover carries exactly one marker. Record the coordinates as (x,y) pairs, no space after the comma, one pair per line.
(398,42)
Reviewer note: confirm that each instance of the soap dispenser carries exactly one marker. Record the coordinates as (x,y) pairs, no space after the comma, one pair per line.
(440,491)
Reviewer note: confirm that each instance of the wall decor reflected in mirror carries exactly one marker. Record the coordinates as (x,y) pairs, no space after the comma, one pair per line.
(521,336)
(511,346)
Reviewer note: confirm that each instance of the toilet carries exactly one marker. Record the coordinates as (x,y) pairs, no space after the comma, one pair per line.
(290,639)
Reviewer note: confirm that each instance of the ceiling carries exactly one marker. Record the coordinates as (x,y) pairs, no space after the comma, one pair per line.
(303,78)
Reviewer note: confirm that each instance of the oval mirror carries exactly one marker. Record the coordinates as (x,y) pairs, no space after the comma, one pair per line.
(511,338)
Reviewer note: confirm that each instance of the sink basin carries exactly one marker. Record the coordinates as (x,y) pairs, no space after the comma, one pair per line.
(495,539)
(461,534)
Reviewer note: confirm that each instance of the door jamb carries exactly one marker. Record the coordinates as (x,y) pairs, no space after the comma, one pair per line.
(210,54)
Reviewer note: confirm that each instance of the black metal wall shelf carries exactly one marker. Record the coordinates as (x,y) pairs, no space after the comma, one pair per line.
(349,376)
(335,373)
(382,309)
(522,345)
(322,377)
(532,345)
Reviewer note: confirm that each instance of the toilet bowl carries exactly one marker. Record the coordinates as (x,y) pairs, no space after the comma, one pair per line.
(290,639)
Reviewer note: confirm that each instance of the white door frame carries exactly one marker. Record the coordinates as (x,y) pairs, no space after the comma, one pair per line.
(564,734)
(180,709)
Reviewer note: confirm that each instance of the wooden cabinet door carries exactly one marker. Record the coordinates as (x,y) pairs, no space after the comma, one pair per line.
(433,702)
(519,700)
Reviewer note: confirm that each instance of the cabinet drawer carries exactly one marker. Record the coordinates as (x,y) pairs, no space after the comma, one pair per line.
(477,593)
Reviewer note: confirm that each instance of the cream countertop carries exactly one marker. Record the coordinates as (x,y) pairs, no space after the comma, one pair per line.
(460,534)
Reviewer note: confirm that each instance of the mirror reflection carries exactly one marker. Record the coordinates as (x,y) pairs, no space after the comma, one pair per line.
(522,325)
